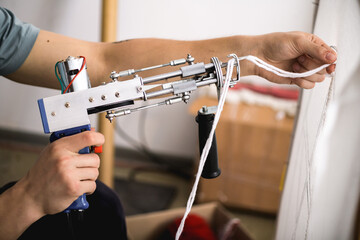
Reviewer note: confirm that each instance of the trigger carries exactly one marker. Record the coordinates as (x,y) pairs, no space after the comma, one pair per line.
(96,149)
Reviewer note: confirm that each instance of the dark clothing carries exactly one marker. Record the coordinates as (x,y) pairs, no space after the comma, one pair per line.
(104,219)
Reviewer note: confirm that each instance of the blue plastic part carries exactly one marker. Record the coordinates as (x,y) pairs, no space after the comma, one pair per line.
(43,116)
(80,203)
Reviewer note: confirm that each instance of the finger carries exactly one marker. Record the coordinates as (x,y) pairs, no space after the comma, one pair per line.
(310,63)
(330,69)
(303,83)
(87,174)
(313,78)
(75,143)
(90,160)
(88,186)
(316,48)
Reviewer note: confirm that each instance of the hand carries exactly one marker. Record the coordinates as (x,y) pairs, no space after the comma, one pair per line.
(295,52)
(61,174)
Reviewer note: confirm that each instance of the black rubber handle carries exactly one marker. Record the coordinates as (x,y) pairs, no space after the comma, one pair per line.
(205,121)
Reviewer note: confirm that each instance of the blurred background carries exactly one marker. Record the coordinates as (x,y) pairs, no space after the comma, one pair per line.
(157,150)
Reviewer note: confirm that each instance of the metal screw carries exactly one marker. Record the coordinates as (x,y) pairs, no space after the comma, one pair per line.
(91,99)
(53,114)
(110,116)
(117,94)
(139,88)
(190,59)
(113,76)
(103,97)
(186,98)
(67,104)
(205,109)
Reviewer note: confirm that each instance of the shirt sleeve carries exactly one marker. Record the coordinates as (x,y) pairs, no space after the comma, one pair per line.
(16,41)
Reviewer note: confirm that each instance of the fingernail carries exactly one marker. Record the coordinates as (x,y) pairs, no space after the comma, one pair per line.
(330,56)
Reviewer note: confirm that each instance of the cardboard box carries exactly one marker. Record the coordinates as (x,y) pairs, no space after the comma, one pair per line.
(149,226)
(253,146)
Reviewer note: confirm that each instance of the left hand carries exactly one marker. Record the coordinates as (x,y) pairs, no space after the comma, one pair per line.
(295,52)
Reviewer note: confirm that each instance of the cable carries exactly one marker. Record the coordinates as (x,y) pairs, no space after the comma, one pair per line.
(82,67)
(59,77)
(137,145)
(153,157)
(70,226)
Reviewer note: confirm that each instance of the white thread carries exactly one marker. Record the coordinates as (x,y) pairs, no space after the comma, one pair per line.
(222,98)
(280,72)
(207,146)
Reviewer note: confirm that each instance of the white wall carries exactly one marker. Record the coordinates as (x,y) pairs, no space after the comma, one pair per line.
(168,129)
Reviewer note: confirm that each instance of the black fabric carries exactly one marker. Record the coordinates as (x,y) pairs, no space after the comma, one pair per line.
(104,219)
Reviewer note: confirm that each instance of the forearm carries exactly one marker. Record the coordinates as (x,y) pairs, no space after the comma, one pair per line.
(140,53)
(17,212)
(279,49)
(102,58)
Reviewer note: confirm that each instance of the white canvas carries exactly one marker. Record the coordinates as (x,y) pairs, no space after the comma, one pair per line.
(322,184)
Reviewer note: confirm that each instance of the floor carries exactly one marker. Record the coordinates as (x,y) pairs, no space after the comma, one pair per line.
(17,156)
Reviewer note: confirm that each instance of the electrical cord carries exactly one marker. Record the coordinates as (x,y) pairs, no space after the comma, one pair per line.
(61,81)
(153,157)
(70,226)
(59,77)
(75,219)
(82,67)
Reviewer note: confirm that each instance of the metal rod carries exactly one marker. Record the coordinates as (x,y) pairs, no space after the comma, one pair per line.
(177,73)
(159,93)
(206,82)
(162,76)
(147,106)
(171,90)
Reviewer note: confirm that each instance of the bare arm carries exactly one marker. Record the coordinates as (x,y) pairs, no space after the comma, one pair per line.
(102,58)
(281,49)
(17,211)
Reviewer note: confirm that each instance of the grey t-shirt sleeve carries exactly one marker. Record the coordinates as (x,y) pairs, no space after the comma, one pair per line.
(16,41)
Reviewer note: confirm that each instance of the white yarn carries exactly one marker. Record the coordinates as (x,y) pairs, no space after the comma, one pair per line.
(207,146)
(222,98)
(280,72)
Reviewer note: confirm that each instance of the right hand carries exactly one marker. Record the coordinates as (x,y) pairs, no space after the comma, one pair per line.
(61,174)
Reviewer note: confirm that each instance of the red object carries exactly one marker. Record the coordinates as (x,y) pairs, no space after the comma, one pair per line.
(196,228)
(273,91)
(97,149)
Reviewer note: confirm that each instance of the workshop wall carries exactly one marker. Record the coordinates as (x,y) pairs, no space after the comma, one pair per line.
(171,130)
